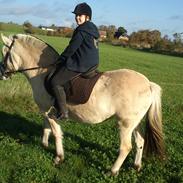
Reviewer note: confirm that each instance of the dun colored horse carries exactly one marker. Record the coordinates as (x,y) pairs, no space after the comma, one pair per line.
(123,93)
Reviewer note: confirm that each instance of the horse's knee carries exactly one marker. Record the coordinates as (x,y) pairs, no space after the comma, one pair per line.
(125,149)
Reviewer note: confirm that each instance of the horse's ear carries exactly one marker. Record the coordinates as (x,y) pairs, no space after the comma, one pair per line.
(7,41)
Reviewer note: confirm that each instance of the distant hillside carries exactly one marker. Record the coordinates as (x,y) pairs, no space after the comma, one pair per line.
(28,28)
(16,28)
(11,27)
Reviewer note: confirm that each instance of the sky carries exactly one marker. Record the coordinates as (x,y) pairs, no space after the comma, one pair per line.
(134,15)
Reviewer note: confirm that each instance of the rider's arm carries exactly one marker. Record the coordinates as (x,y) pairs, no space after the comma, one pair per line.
(74,44)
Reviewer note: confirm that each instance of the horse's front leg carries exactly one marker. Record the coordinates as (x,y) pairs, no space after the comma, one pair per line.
(57,133)
(46,132)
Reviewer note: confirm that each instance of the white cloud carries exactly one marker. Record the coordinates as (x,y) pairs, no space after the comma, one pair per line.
(51,13)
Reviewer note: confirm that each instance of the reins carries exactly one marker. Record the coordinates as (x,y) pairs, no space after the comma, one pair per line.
(29,69)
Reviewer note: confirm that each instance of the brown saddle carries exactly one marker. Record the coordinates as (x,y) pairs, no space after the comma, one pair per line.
(79,89)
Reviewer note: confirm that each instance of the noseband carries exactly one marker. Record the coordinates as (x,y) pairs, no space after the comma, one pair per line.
(3,64)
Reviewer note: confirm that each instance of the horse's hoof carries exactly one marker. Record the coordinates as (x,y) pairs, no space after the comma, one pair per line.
(45,145)
(137,167)
(114,173)
(58,160)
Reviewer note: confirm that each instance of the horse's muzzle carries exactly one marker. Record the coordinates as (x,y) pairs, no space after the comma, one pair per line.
(2,72)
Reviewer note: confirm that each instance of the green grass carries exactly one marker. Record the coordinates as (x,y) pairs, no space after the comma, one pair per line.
(13,27)
(90,150)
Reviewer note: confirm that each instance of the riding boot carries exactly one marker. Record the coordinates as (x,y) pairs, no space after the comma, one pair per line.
(61,103)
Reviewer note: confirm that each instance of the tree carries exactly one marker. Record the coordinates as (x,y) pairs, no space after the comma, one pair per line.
(28,28)
(53,26)
(120,32)
(145,39)
(111,29)
(103,27)
(177,37)
(27,24)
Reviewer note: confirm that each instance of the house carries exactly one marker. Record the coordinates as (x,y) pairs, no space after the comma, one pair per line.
(64,29)
(103,35)
(47,28)
(124,38)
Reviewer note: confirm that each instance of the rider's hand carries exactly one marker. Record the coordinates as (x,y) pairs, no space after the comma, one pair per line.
(61,59)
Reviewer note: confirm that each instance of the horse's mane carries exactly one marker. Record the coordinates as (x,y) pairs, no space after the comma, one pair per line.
(33,40)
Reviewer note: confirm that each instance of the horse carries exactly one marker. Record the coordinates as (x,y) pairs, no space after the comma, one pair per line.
(123,93)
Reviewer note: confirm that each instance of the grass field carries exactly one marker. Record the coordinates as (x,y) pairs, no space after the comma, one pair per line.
(11,26)
(90,150)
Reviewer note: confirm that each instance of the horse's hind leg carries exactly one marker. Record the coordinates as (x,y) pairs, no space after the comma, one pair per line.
(126,129)
(139,140)
(46,132)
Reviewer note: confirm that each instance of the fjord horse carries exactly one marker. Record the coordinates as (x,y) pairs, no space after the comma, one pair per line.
(123,93)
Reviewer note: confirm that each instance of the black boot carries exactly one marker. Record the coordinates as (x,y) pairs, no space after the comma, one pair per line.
(61,103)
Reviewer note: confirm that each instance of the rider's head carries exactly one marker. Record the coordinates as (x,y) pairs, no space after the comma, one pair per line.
(83,13)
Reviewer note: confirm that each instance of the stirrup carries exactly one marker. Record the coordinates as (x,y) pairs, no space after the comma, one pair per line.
(55,115)
(61,116)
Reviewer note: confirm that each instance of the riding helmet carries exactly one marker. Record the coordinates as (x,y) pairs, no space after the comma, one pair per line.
(83,9)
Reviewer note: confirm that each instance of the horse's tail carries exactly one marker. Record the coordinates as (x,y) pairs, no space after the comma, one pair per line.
(154,141)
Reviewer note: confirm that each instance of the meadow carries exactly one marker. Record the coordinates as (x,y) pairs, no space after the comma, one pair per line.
(90,150)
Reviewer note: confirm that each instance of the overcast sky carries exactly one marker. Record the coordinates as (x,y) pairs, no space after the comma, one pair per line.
(134,15)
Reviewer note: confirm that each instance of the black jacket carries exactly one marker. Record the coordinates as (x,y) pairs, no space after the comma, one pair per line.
(82,52)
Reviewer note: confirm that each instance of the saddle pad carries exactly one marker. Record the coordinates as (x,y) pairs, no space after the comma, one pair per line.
(80,89)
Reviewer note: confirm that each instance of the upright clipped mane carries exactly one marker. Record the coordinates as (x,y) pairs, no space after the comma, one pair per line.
(33,40)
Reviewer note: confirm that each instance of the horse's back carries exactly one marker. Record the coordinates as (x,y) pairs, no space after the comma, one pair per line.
(127,77)
(125,80)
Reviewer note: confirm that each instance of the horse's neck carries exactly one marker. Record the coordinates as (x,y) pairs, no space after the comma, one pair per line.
(33,57)
(43,59)
(40,59)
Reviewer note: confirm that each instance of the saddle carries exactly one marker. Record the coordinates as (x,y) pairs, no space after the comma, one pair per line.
(78,90)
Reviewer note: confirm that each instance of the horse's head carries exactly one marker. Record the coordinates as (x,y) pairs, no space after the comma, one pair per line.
(25,53)
(10,58)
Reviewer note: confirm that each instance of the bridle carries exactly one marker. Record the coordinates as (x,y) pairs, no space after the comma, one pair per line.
(3,64)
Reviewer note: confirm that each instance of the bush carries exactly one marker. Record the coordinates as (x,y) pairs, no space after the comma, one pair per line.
(29,30)
(118,42)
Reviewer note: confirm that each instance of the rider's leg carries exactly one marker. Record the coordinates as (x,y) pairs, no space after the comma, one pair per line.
(61,101)
(59,79)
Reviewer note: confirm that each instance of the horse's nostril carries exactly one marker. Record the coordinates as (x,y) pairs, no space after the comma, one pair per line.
(3,78)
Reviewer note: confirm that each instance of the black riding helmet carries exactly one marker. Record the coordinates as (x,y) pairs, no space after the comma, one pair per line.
(83,9)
